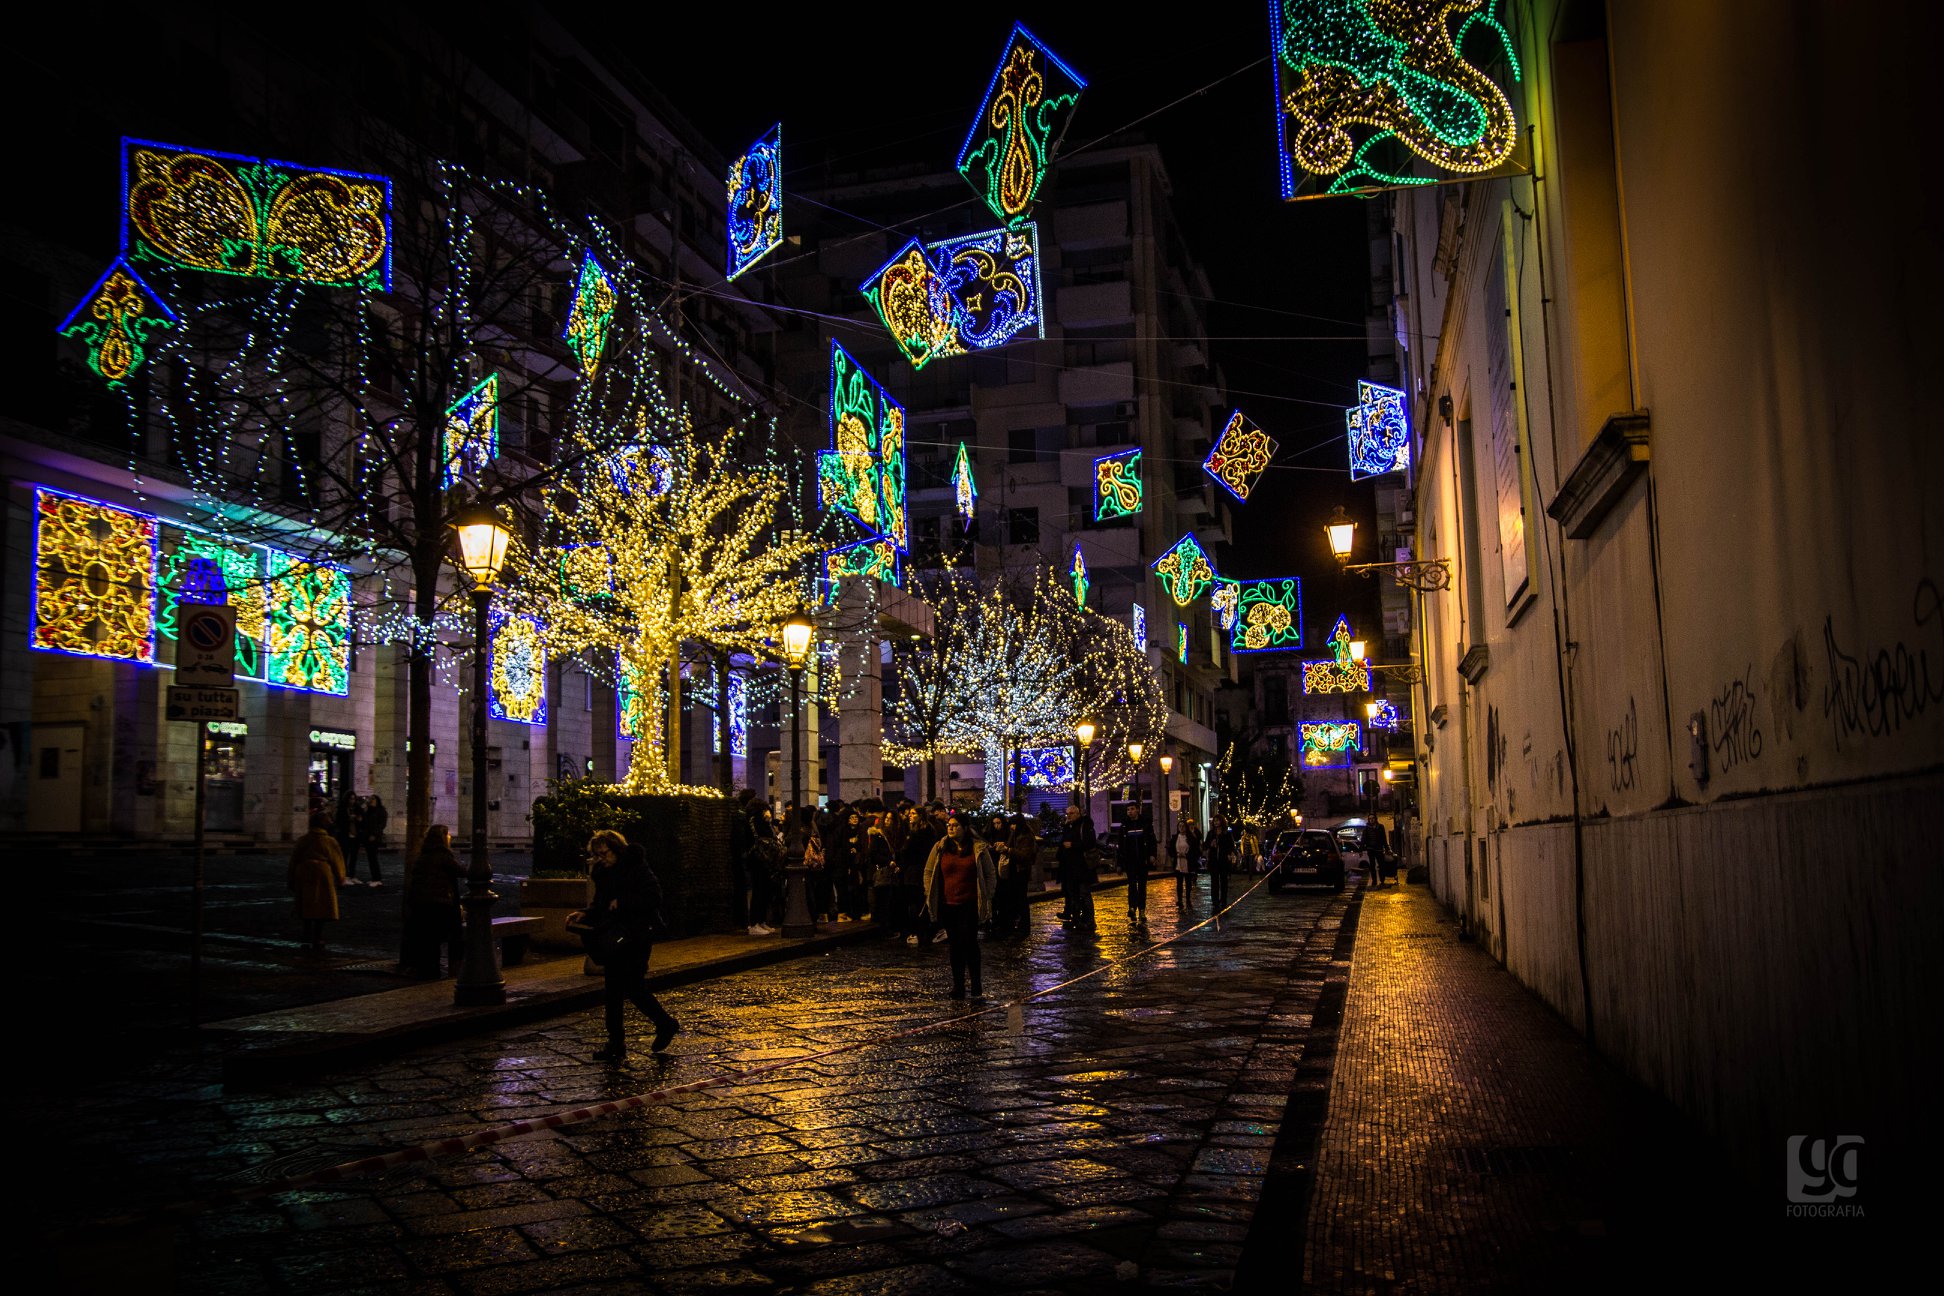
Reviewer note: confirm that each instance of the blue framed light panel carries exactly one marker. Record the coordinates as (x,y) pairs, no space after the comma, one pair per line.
(1027,107)
(1380,434)
(755,216)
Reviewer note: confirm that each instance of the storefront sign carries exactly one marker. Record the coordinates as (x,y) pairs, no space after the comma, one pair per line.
(229,728)
(201,703)
(341,739)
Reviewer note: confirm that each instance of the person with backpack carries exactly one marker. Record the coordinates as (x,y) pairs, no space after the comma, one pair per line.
(626,917)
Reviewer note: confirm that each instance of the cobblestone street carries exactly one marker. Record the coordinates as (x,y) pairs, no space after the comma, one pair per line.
(1113,1134)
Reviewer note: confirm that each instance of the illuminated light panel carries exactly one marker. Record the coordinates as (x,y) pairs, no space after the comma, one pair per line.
(586,572)
(994,280)
(1139,626)
(1181,642)
(517,658)
(1026,110)
(94,579)
(1117,485)
(1380,435)
(1079,574)
(1185,570)
(755,213)
(592,314)
(1327,744)
(1268,616)
(1373,93)
(242,568)
(472,431)
(918,310)
(309,609)
(1224,600)
(1240,456)
(631,707)
(864,474)
(875,557)
(1386,716)
(229,214)
(965,491)
(1046,767)
(738,715)
(1338,673)
(116,320)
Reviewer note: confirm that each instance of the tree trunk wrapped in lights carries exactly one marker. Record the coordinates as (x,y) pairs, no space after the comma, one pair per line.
(1258,793)
(661,543)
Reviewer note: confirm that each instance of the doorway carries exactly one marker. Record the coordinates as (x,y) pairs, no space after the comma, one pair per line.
(55,803)
(223,782)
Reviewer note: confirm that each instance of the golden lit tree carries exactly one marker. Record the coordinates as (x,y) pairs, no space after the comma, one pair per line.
(663,543)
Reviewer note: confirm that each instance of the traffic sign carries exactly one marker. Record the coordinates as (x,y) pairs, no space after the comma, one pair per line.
(205,646)
(201,704)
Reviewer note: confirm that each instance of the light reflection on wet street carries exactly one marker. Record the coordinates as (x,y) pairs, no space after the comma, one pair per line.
(1113,1134)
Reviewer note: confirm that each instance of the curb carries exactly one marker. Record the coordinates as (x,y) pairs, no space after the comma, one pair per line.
(249,1068)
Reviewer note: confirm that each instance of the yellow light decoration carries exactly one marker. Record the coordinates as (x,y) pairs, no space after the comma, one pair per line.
(519,671)
(1240,456)
(1340,673)
(115,320)
(228,214)
(94,579)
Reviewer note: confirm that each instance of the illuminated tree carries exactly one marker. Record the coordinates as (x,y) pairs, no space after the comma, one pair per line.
(1256,792)
(670,540)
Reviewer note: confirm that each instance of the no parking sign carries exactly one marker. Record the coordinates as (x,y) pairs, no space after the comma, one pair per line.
(205,645)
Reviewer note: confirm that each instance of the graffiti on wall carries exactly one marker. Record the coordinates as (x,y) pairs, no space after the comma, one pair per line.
(1732,730)
(1878,692)
(1623,750)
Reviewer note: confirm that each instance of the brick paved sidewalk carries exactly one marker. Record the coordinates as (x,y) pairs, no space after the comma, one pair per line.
(1472,1142)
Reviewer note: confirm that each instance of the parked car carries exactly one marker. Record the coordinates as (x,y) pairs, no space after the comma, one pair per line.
(1350,836)
(1306,855)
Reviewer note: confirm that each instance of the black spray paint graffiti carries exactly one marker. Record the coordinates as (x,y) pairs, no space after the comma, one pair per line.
(1623,748)
(1731,723)
(1875,694)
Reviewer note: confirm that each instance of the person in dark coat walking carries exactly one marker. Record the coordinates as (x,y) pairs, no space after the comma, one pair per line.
(765,866)
(432,905)
(1016,872)
(740,840)
(1136,858)
(371,835)
(1074,862)
(1219,852)
(911,874)
(627,901)
(1376,847)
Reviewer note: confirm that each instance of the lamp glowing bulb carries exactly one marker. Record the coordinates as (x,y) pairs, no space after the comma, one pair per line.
(1342,533)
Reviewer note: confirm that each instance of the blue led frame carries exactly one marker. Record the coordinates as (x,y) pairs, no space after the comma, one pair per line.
(1380,434)
(755,214)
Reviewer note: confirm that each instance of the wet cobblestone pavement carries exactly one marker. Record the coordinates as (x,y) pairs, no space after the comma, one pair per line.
(1111,1136)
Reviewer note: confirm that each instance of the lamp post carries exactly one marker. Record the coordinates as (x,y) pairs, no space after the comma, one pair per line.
(1167,767)
(1134,751)
(482,553)
(1084,731)
(797,921)
(1420,576)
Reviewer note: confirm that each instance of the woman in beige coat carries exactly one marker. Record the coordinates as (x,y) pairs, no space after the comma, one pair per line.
(316,873)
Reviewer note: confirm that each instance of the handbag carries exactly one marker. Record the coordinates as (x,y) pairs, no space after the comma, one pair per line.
(603,941)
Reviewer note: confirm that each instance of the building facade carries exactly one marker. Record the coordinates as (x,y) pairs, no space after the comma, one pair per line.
(1681,724)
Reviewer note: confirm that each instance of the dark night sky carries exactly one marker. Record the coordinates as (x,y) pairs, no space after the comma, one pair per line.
(1289,279)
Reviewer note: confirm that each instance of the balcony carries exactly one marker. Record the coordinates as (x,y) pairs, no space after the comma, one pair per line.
(1092,305)
(1100,385)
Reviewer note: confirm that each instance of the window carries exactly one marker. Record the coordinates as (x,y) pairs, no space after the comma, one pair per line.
(1022,526)
(1275,699)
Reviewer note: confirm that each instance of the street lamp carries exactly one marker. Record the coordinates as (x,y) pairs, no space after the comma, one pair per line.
(1167,767)
(797,633)
(1134,751)
(1420,576)
(483,539)
(1084,731)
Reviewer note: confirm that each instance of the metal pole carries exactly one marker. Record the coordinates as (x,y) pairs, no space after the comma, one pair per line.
(796,738)
(1164,807)
(196,888)
(479,975)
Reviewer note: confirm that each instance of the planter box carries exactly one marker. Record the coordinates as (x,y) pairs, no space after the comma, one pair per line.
(687,839)
(551,900)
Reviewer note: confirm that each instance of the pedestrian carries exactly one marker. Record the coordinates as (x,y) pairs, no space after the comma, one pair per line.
(920,837)
(808,846)
(316,872)
(1135,854)
(371,835)
(876,856)
(1182,852)
(1022,854)
(1219,851)
(1073,861)
(765,863)
(740,840)
(345,829)
(840,855)
(432,905)
(1376,848)
(960,878)
(626,915)
(319,802)
(1251,850)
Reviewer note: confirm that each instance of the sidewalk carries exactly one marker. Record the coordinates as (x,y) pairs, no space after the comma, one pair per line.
(1465,1139)
(294,1043)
